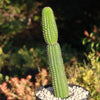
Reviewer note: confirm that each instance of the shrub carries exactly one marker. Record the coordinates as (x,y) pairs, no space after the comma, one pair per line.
(86,77)
(22,60)
(87,74)
(15,18)
(18,89)
(92,42)
(23,89)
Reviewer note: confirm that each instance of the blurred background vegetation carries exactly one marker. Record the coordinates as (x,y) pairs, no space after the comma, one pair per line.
(23,50)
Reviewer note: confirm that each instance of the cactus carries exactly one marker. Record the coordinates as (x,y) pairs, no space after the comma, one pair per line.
(50,34)
(50,31)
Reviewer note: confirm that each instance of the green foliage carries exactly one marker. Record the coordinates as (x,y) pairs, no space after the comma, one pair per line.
(92,58)
(90,74)
(92,41)
(9,24)
(69,54)
(32,58)
(87,75)
(18,63)
(1,78)
(50,33)
(4,78)
(15,17)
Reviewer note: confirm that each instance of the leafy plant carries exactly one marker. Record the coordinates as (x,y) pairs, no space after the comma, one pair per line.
(87,76)
(91,41)
(15,18)
(17,63)
(3,78)
(23,88)
(18,89)
(50,33)
(42,78)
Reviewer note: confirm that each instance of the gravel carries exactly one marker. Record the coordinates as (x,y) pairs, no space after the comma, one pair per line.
(75,93)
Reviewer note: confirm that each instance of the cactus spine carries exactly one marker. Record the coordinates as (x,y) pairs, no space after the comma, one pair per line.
(50,33)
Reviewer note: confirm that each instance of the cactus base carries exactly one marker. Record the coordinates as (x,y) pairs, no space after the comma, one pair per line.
(78,93)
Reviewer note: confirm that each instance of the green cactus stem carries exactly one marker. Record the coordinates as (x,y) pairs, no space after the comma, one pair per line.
(49,26)
(50,33)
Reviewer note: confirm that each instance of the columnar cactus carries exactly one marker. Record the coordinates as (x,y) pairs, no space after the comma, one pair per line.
(50,34)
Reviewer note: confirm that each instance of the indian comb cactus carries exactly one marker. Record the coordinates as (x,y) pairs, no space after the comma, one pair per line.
(50,34)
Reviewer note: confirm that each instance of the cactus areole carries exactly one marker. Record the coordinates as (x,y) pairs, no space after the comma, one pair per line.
(50,34)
